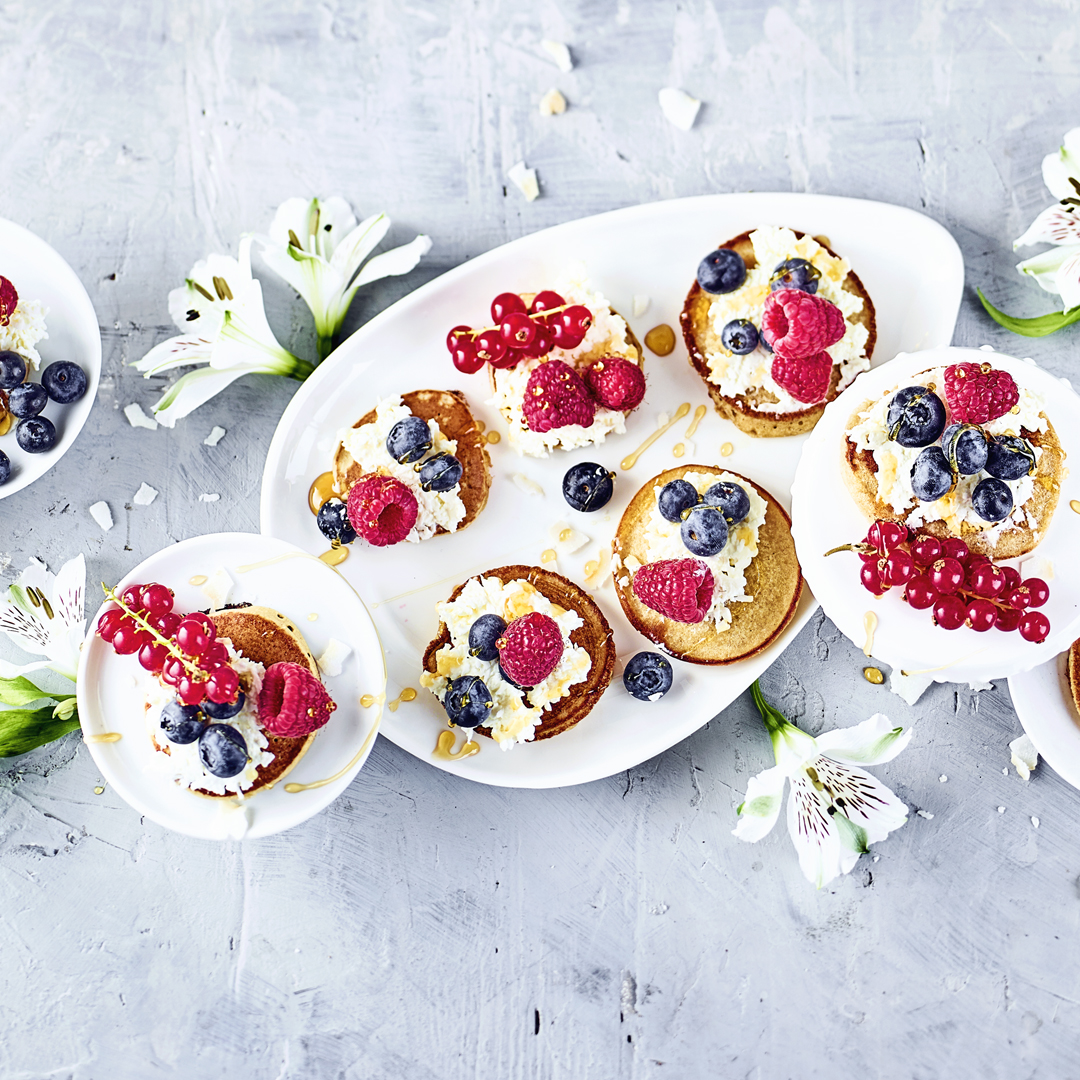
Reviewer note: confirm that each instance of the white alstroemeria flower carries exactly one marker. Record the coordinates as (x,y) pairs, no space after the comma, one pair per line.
(220,308)
(1061,169)
(836,809)
(317,246)
(43,613)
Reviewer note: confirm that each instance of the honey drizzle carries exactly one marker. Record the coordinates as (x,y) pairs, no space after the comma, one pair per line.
(335,556)
(198,579)
(270,562)
(293,788)
(493,437)
(322,490)
(678,449)
(547,555)
(699,415)
(408,694)
(104,737)
(661,339)
(1074,506)
(727,450)
(869,625)
(446,740)
(873,675)
(630,460)
(5,422)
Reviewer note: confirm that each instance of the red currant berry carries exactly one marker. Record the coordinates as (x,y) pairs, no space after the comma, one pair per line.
(507,303)
(925,550)
(1034,626)
(173,670)
(577,318)
(109,623)
(1008,618)
(132,596)
(153,656)
(985,579)
(517,330)
(510,359)
(545,301)
(898,567)
(871,579)
(222,686)
(191,636)
(952,547)
(465,358)
(1039,590)
(950,612)
(157,599)
(490,347)
(128,638)
(165,624)
(457,336)
(541,344)
(981,615)
(189,691)
(1018,598)
(562,337)
(920,594)
(886,535)
(946,575)
(1012,576)
(216,656)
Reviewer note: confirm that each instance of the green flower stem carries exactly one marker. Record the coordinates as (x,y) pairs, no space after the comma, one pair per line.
(775,721)
(1040,326)
(325,347)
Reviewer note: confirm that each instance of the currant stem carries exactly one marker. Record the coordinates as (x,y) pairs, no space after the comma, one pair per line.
(531,314)
(194,672)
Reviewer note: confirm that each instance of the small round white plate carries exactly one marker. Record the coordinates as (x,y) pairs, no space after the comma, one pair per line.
(277,575)
(825,516)
(1045,706)
(910,266)
(39,273)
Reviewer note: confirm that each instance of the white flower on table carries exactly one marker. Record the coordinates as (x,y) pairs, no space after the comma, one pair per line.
(836,809)
(317,246)
(220,309)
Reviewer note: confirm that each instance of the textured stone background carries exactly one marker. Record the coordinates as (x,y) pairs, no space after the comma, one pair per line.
(428,927)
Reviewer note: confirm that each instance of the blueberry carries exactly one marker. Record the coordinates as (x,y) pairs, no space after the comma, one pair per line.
(36,434)
(916,417)
(795,274)
(409,440)
(468,701)
(222,750)
(225,711)
(482,637)
(965,449)
(931,476)
(588,486)
(182,723)
(705,532)
(64,381)
(676,497)
(732,499)
(333,522)
(441,472)
(27,400)
(721,271)
(12,369)
(1010,458)
(647,676)
(5,467)
(992,500)
(740,336)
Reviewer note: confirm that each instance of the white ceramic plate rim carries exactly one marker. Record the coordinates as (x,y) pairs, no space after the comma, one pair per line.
(1046,710)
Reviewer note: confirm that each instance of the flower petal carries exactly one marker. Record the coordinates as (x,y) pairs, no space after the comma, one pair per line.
(1068,281)
(792,746)
(336,220)
(1044,266)
(760,809)
(68,590)
(814,833)
(864,799)
(1057,224)
(872,742)
(1058,167)
(397,261)
(292,216)
(173,353)
(354,248)
(192,390)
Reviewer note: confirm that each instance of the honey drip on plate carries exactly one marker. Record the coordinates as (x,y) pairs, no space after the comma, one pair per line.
(873,675)
(869,625)
(1074,506)
(591,567)
(547,555)
(293,788)
(367,700)
(630,460)
(99,790)
(247,567)
(661,339)
(335,556)
(104,737)
(727,450)
(5,422)
(565,534)
(444,747)
(197,579)
(699,415)
(313,616)
(408,694)
(480,425)
(493,437)
(321,491)
(678,449)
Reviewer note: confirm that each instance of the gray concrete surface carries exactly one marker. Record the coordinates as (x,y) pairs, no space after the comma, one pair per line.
(424,926)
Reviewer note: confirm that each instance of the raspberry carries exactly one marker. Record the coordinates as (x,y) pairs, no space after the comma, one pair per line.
(381,509)
(530,648)
(556,397)
(293,702)
(9,301)
(979,393)
(797,324)
(806,379)
(616,383)
(680,589)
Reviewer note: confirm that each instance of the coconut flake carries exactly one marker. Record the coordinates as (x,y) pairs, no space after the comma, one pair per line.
(527,484)
(524,180)
(215,436)
(559,53)
(1035,822)
(679,107)
(566,539)
(208,497)
(101,513)
(1024,756)
(145,495)
(641,305)
(552,103)
(137,418)
(333,657)
(217,588)
(908,687)
(925,814)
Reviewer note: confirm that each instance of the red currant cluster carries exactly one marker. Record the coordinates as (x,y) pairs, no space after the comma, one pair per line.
(521,332)
(963,589)
(182,649)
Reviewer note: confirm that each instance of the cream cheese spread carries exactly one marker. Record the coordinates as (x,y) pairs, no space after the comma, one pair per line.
(24,330)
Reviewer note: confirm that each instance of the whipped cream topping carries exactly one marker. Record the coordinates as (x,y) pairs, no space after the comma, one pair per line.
(367,445)
(894,463)
(736,375)
(606,337)
(24,330)
(663,540)
(515,713)
(181,763)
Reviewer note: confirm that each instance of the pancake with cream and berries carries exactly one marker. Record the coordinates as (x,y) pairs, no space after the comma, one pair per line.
(414,467)
(958,450)
(777,324)
(564,366)
(522,653)
(704,565)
